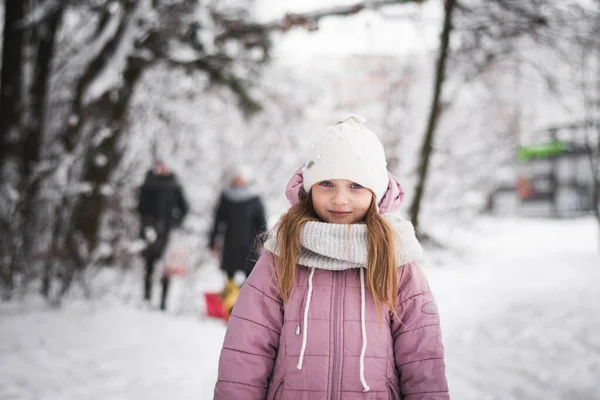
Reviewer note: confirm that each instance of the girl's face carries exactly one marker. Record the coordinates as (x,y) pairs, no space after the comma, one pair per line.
(340,201)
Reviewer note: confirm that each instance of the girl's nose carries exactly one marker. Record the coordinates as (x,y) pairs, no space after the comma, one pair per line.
(340,198)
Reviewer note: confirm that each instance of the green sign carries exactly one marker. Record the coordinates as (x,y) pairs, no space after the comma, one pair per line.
(543,150)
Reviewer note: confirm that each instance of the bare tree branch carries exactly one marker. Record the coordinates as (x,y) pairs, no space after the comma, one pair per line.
(308,20)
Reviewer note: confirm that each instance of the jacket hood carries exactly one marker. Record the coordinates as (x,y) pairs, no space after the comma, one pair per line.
(390,202)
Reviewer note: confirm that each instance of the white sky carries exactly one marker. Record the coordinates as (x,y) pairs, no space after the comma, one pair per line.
(415,30)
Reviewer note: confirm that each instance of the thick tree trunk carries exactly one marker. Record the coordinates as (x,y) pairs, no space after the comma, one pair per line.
(100,155)
(79,117)
(434,114)
(99,164)
(102,160)
(44,36)
(11,77)
(44,43)
(11,86)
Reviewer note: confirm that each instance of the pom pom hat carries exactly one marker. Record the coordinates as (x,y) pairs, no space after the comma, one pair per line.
(348,150)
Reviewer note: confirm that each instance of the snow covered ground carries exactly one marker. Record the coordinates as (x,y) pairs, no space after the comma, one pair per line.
(519,301)
(521,312)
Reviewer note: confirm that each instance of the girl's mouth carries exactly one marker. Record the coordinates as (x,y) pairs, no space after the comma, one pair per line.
(340,213)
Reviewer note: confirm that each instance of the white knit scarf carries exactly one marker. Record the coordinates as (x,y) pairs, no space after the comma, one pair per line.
(339,247)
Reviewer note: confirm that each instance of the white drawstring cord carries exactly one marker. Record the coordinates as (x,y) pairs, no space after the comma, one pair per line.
(305,330)
(364,331)
(362,319)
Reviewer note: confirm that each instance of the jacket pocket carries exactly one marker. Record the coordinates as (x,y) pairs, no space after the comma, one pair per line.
(278,392)
(392,392)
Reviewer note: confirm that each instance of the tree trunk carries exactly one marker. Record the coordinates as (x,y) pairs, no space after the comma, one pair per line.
(11,77)
(44,36)
(11,85)
(44,39)
(100,156)
(100,162)
(103,159)
(48,273)
(594,158)
(434,114)
(77,119)
(596,165)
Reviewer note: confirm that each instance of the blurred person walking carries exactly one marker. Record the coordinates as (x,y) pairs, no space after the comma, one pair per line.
(239,223)
(162,207)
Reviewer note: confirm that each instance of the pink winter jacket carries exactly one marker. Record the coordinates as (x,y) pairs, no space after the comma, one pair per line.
(262,347)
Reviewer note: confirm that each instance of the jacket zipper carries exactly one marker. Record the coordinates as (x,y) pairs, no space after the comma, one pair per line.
(278,391)
(391,391)
(336,333)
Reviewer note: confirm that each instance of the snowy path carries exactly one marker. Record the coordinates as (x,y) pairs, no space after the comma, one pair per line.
(112,354)
(521,315)
(520,311)
(540,350)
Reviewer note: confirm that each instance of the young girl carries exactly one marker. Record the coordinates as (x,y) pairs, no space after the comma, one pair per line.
(336,307)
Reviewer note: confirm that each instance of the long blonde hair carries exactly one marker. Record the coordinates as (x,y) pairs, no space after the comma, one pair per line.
(382,274)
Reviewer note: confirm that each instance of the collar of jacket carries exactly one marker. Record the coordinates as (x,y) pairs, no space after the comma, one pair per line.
(239,194)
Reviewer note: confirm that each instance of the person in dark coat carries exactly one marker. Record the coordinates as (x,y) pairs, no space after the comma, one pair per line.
(162,206)
(239,224)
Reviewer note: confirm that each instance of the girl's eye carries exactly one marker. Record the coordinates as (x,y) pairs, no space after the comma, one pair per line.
(326,183)
(356,186)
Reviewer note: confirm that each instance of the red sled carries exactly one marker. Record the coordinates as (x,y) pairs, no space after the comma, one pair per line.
(215,307)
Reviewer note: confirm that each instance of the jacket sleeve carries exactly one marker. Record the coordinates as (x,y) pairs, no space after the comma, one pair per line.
(182,203)
(418,348)
(252,337)
(218,223)
(142,205)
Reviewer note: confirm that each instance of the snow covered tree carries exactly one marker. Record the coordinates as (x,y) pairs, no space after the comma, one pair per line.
(91,56)
(489,38)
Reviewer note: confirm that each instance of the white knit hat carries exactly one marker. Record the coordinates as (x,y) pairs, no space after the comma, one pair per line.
(348,150)
(240,170)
